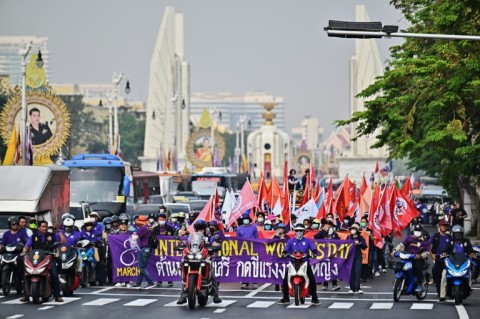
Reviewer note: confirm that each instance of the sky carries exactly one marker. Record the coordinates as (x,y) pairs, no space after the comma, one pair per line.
(273,46)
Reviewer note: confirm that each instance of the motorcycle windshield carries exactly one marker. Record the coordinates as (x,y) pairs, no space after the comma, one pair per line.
(195,243)
(458,259)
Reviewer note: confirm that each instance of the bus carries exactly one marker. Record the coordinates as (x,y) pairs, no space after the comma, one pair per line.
(101,180)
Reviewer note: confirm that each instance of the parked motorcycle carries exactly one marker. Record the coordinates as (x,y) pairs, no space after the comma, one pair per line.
(297,279)
(457,267)
(69,280)
(475,263)
(405,280)
(196,268)
(86,250)
(38,283)
(11,269)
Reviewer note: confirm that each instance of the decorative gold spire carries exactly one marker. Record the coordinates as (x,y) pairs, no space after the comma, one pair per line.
(268,115)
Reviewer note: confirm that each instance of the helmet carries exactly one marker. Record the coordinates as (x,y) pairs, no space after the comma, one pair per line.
(68,222)
(200,224)
(67,215)
(315,221)
(418,227)
(299,227)
(115,219)
(213,223)
(457,232)
(13,220)
(107,221)
(123,217)
(282,225)
(267,222)
(88,221)
(181,215)
(174,215)
(152,215)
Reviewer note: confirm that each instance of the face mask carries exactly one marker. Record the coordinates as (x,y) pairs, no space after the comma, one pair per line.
(299,234)
(260,220)
(212,229)
(448,232)
(353,231)
(50,230)
(315,226)
(161,222)
(363,224)
(246,221)
(417,234)
(330,231)
(108,226)
(151,220)
(268,227)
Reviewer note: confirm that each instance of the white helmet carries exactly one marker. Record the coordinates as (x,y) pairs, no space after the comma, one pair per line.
(68,222)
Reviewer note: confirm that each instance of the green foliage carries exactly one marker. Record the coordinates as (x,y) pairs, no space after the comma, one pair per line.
(426,105)
(132,133)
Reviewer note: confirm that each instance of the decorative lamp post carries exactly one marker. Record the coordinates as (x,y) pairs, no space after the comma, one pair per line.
(116,79)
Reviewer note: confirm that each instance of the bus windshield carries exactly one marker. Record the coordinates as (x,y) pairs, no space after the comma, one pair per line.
(95,184)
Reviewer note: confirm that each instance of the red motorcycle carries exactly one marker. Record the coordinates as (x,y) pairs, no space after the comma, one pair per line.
(298,282)
(196,269)
(38,283)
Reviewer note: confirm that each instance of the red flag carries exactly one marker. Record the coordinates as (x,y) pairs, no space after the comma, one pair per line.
(285,197)
(342,198)
(374,221)
(364,185)
(375,200)
(275,192)
(261,190)
(205,214)
(322,211)
(385,207)
(329,197)
(246,200)
(407,189)
(376,167)
(403,211)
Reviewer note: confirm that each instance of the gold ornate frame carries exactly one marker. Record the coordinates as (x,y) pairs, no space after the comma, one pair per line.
(219,143)
(49,99)
(297,160)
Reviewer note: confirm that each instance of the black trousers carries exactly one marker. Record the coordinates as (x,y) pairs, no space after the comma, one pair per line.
(437,272)
(418,266)
(312,288)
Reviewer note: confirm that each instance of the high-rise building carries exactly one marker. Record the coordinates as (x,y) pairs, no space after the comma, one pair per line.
(11,59)
(233,106)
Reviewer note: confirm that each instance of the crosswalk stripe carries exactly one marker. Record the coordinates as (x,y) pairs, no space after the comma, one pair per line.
(382,305)
(46,308)
(260,304)
(13,302)
(300,306)
(65,301)
(173,304)
(100,302)
(14,317)
(223,304)
(421,306)
(140,302)
(219,310)
(341,305)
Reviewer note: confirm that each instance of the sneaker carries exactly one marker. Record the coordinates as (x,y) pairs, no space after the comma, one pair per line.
(324,288)
(351,292)
(181,301)
(384,270)
(315,302)
(25,299)
(283,301)
(360,291)
(377,274)
(119,284)
(419,288)
(335,287)
(170,284)
(159,284)
(216,299)
(150,286)
(244,286)
(137,286)
(128,286)
(442,300)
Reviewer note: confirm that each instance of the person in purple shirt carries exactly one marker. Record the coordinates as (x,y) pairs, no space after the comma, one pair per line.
(215,231)
(247,230)
(98,227)
(14,236)
(143,236)
(360,244)
(438,245)
(72,236)
(416,244)
(304,245)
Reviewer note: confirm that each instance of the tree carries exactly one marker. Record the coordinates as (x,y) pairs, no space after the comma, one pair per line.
(132,133)
(427,104)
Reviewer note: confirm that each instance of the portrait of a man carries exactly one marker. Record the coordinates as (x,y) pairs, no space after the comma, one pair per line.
(40,133)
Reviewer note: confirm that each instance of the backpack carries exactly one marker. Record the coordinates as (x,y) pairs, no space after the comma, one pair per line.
(153,240)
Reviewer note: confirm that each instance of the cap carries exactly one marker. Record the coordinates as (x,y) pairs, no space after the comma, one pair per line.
(355,226)
(271,217)
(94,214)
(442,222)
(282,225)
(142,220)
(162,215)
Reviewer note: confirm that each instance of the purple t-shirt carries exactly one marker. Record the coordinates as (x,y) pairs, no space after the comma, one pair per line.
(14,239)
(414,245)
(143,233)
(247,231)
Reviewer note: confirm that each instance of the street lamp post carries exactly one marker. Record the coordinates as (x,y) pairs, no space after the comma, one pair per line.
(372,30)
(23,129)
(116,79)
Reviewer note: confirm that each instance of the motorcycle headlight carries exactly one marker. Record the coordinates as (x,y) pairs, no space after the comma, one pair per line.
(459,273)
(190,256)
(199,256)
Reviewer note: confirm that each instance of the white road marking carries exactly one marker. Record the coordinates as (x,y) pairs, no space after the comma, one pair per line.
(174,304)
(65,301)
(300,306)
(14,302)
(100,302)
(421,306)
(14,317)
(219,310)
(256,291)
(260,304)
(46,308)
(382,305)
(140,302)
(102,290)
(223,304)
(341,305)
(462,313)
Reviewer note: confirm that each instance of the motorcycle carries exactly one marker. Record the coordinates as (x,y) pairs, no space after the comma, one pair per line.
(196,266)
(297,278)
(69,280)
(37,274)
(475,260)
(86,251)
(457,267)
(405,280)
(11,272)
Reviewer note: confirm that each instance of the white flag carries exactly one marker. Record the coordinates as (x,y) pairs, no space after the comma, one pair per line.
(228,205)
(278,208)
(306,211)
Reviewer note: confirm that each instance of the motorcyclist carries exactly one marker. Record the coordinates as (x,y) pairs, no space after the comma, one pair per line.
(43,240)
(72,236)
(200,226)
(14,236)
(88,234)
(301,244)
(457,244)
(183,224)
(108,223)
(115,224)
(438,245)
(416,244)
